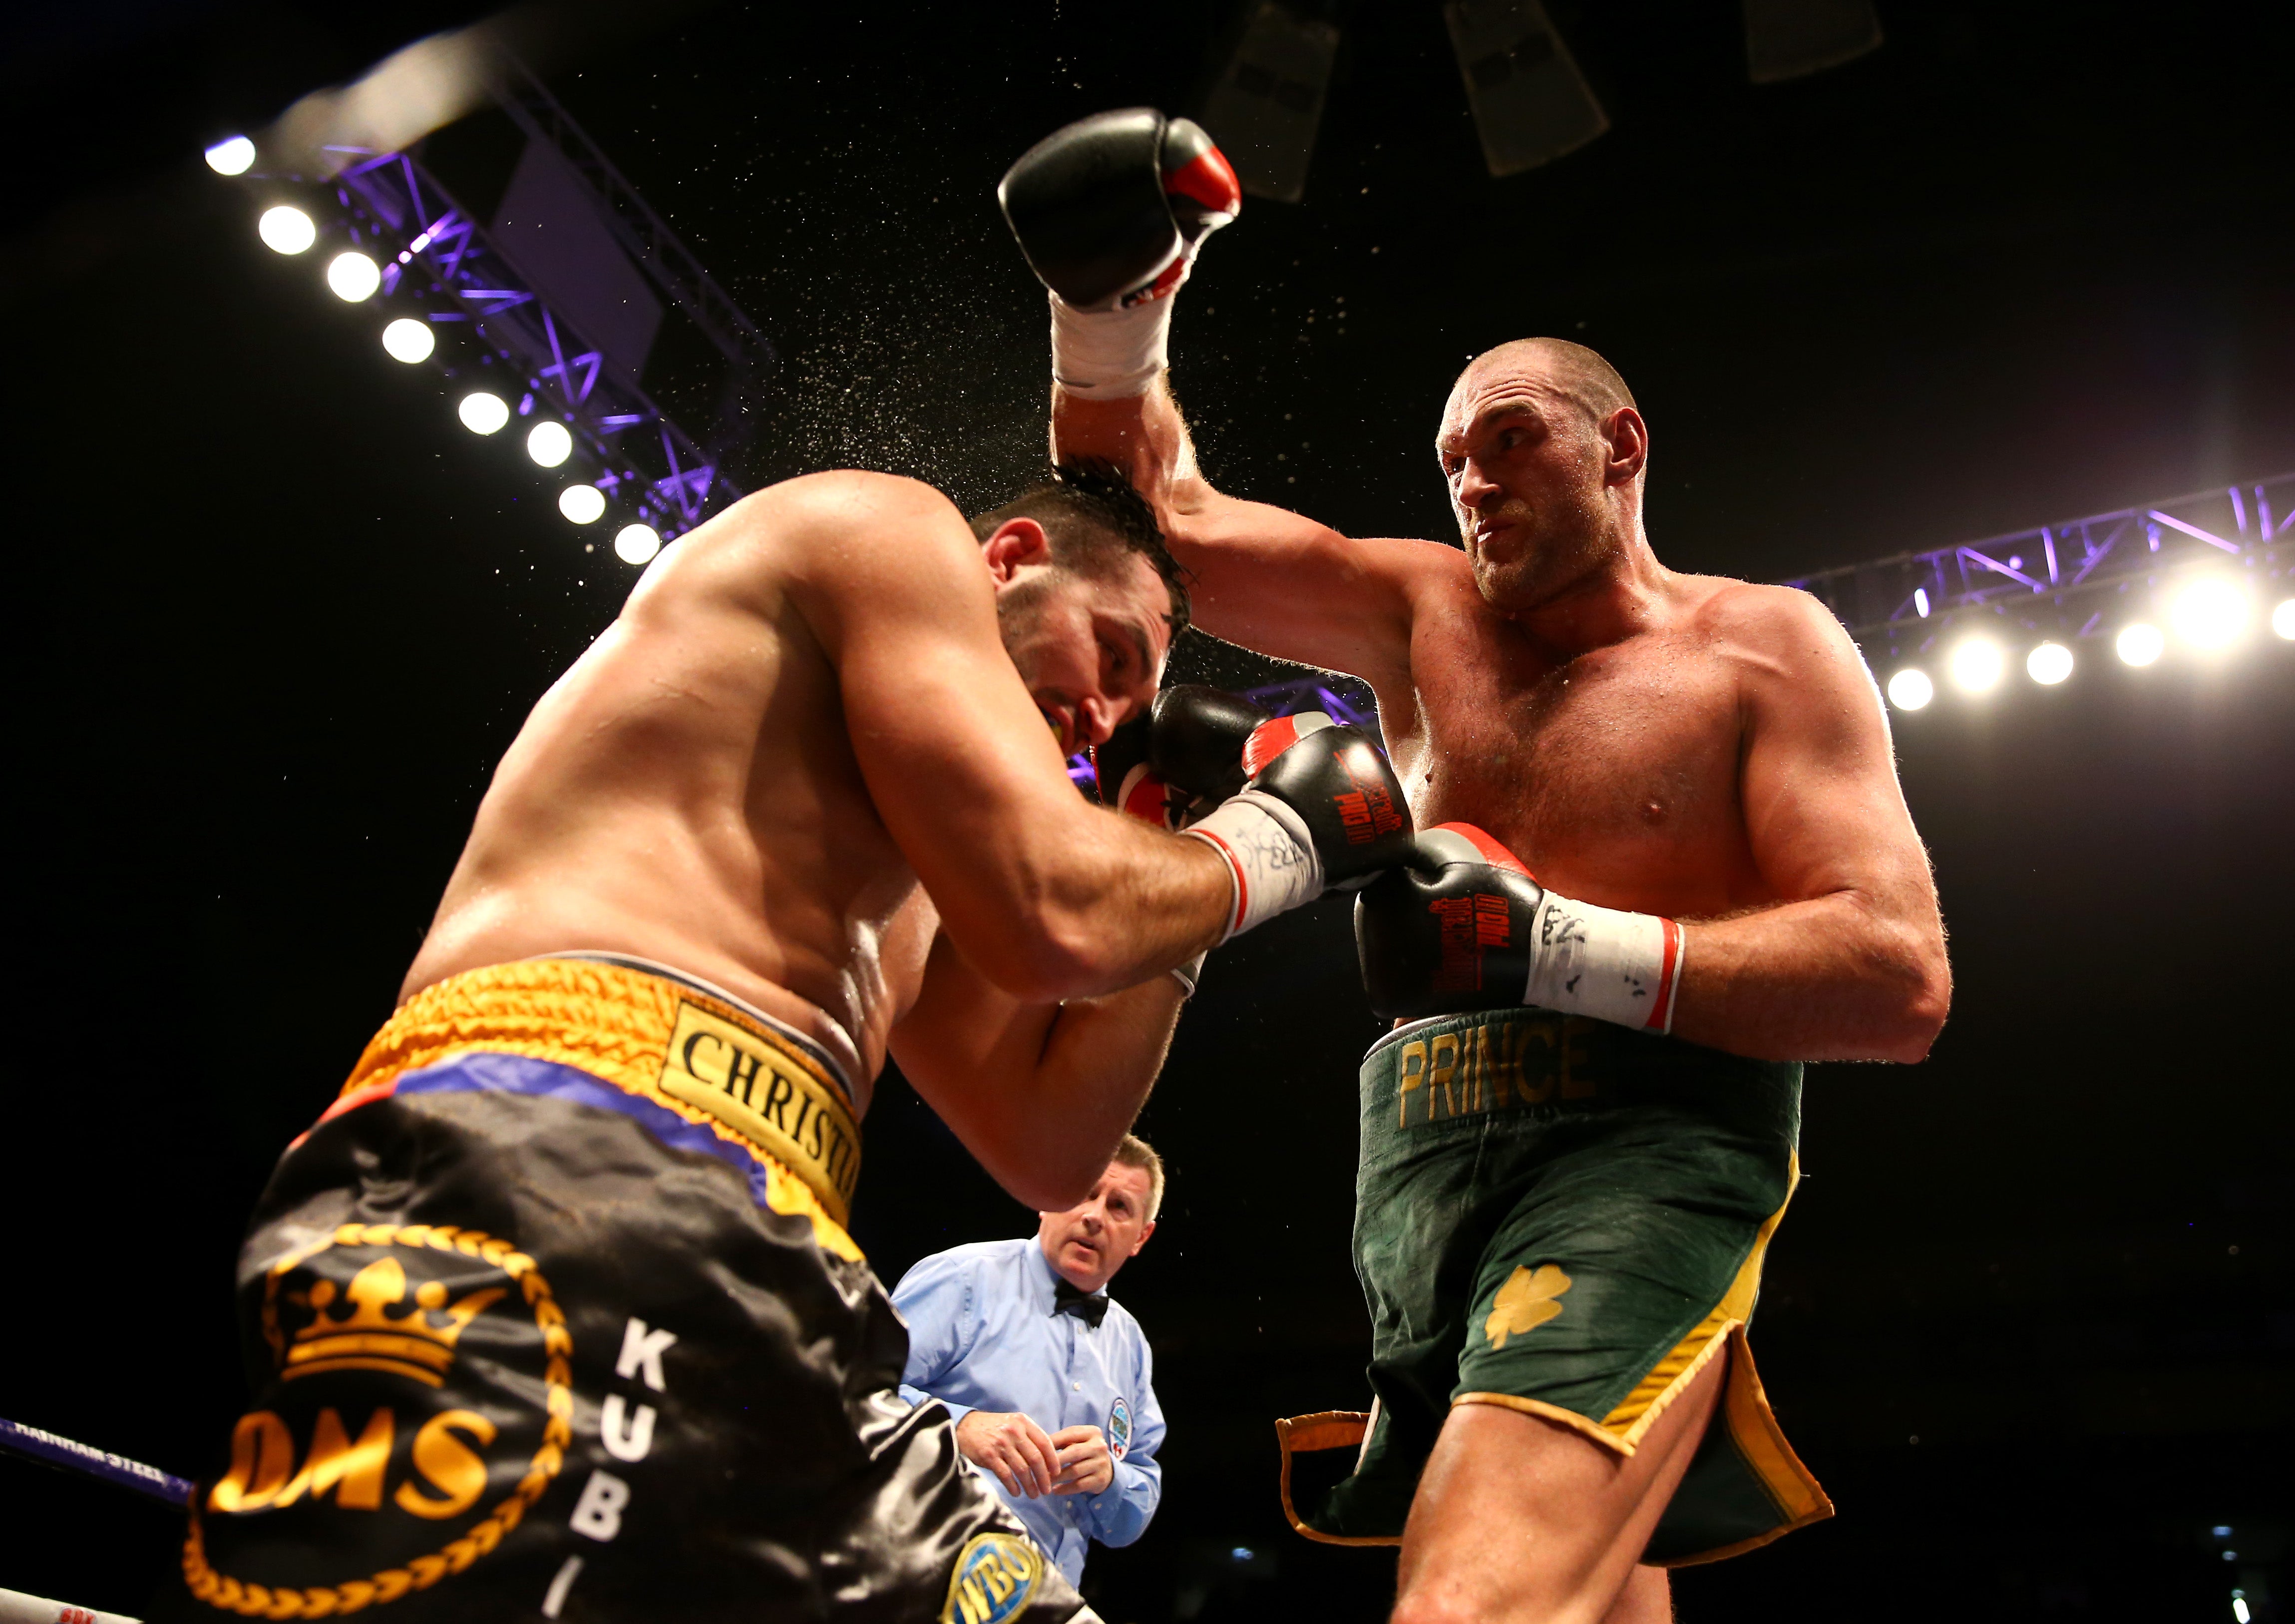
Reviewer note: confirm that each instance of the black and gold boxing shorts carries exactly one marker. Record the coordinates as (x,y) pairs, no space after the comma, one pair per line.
(554,1314)
(1566,1217)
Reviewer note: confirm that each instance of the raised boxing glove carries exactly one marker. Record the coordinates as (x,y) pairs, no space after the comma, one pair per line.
(1110,212)
(1464,926)
(1321,811)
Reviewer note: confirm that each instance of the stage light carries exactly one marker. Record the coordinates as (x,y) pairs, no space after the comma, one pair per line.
(409,340)
(2238,1608)
(1910,689)
(2208,613)
(354,276)
(1264,109)
(482,413)
(286,230)
(2048,664)
(549,444)
(234,156)
(636,543)
(1530,102)
(1976,663)
(1785,39)
(2283,618)
(2139,644)
(585,504)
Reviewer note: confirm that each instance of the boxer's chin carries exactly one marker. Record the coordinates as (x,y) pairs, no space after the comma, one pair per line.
(1528,572)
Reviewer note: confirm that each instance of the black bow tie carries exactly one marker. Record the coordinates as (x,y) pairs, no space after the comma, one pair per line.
(1090,1307)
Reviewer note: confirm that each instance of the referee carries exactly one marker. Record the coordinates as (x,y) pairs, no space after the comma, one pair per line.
(1048,1378)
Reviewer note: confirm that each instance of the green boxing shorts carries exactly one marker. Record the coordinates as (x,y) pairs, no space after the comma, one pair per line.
(1566,1217)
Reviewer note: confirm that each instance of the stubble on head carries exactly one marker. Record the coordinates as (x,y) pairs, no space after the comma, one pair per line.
(1551,527)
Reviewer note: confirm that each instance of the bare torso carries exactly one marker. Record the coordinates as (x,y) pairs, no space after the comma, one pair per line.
(687,793)
(1613,774)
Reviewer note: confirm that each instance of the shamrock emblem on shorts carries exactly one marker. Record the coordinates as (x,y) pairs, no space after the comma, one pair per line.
(1526,1301)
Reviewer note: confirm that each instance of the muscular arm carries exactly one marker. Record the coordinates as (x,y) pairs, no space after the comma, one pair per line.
(1048,896)
(1853,966)
(1265,578)
(1038,1093)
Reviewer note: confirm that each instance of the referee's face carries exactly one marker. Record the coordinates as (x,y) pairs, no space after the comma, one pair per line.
(1086,1245)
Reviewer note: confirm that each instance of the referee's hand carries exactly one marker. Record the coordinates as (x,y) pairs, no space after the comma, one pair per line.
(1013,1446)
(1086,1467)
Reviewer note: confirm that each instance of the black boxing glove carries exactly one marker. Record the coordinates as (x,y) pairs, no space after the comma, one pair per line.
(1110,212)
(1183,758)
(1463,926)
(1322,811)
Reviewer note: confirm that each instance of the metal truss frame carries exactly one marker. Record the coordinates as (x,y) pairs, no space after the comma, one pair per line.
(2059,579)
(440,262)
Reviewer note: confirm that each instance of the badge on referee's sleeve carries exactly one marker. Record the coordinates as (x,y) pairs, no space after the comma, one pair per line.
(1119,1429)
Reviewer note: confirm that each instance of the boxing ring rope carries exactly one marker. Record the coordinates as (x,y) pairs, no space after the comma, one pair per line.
(69,1454)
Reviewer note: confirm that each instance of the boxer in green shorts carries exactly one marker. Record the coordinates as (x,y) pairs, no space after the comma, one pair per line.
(1698,769)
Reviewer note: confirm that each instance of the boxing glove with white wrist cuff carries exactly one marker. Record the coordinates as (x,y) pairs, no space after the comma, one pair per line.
(1464,926)
(1110,212)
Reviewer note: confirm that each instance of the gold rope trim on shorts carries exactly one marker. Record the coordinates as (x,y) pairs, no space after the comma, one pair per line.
(1330,1429)
(1753,1428)
(629,1029)
(1640,1409)
(219,1590)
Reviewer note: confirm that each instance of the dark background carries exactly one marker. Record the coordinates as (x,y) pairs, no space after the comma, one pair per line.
(2031,1321)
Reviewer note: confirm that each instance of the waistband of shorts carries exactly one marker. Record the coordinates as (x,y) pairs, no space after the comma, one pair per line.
(662,1037)
(1454,1067)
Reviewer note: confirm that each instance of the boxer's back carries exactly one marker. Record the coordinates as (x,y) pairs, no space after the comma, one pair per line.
(687,793)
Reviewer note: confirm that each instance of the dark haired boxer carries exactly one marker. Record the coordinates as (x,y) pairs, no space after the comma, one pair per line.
(554,1311)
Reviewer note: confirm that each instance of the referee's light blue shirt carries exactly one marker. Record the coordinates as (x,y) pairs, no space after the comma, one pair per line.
(983,1335)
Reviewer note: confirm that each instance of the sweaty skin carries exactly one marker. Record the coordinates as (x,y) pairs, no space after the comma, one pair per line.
(1680,745)
(802,765)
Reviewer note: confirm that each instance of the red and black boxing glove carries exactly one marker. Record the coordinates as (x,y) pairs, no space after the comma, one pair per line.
(1173,764)
(1322,811)
(1463,924)
(1184,756)
(1110,212)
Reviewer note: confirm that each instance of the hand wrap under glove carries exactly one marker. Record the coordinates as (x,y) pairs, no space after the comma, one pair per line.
(1176,763)
(1464,926)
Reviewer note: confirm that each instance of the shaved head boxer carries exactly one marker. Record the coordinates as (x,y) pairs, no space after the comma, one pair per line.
(1665,861)
(554,1311)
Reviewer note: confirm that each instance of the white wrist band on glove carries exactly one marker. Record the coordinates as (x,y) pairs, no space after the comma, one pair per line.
(1109,355)
(1601,961)
(1271,857)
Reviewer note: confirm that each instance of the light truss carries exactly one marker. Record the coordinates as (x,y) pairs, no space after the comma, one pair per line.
(440,262)
(2067,580)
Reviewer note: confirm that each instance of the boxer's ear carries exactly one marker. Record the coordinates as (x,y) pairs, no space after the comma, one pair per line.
(1015,544)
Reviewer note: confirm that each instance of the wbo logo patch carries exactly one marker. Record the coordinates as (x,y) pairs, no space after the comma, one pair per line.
(1119,1429)
(995,1577)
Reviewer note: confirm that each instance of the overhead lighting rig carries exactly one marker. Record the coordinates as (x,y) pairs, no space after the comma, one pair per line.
(546,312)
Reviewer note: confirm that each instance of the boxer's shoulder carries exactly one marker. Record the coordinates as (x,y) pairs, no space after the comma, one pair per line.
(1780,622)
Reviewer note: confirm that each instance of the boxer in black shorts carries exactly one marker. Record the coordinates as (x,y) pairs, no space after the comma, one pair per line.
(555,1310)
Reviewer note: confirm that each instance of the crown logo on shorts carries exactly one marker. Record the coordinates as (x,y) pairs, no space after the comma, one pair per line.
(369,1338)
